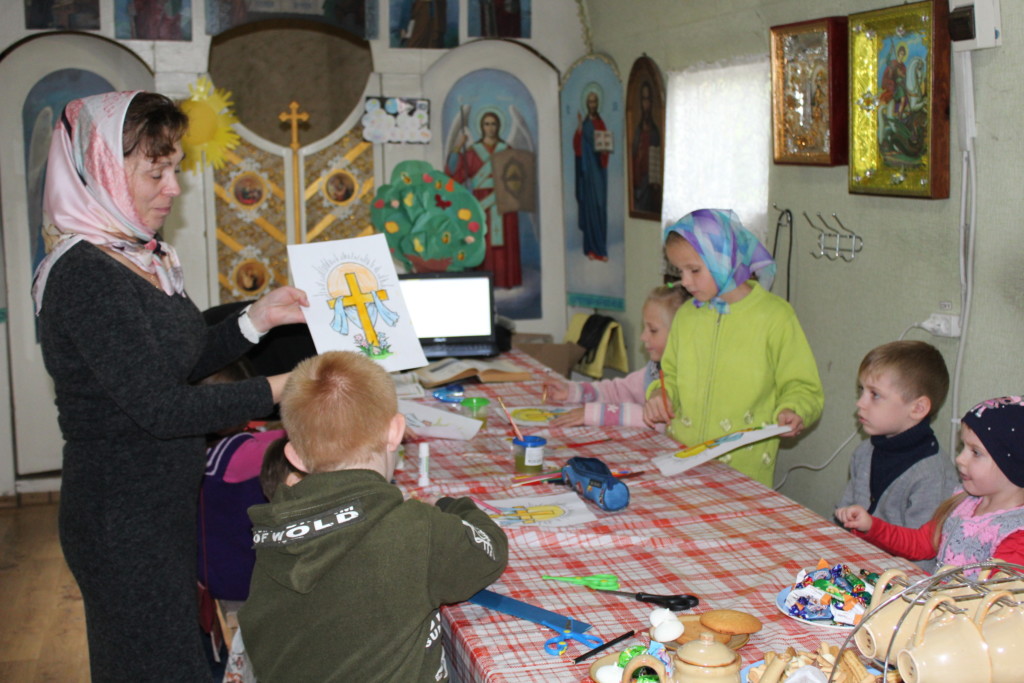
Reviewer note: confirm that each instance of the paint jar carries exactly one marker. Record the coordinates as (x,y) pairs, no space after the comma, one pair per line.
(528,454)
(477,408)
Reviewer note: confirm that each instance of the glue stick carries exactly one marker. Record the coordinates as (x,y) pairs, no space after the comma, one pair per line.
(424,464)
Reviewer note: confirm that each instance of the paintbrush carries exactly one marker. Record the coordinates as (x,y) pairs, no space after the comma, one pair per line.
(515,427)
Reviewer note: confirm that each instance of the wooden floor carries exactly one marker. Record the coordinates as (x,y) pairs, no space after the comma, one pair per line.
(42,625)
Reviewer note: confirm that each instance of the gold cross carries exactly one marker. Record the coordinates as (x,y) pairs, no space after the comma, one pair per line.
(358,298)
(294,117)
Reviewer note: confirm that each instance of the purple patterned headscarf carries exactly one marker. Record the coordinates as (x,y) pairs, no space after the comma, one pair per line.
(731,252)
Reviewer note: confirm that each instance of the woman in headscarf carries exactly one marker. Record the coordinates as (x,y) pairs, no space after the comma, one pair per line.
(736,357)
(123,343)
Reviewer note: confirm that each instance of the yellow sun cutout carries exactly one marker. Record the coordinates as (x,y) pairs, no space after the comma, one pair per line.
(209,125)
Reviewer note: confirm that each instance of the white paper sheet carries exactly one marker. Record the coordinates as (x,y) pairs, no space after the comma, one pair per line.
(355,302)
(437,423)
(674,463)
(563,509)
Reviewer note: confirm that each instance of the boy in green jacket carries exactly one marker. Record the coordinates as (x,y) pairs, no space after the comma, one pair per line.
(349,577)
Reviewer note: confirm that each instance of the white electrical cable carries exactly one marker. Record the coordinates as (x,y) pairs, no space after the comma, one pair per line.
(967,230)
(816,468)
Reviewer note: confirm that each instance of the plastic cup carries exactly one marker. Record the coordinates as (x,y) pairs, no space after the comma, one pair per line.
(476,407)
(528,454)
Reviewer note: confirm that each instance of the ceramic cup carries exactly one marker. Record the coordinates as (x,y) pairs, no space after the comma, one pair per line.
(948,647)
(879,625)
(645,660)
(1002,627)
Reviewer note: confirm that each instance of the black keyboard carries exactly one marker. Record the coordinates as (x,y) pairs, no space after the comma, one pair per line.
(460,350)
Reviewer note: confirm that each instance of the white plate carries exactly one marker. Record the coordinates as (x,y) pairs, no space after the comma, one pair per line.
(780,602)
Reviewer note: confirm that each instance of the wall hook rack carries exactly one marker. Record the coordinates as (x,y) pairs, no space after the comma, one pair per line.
(833,242)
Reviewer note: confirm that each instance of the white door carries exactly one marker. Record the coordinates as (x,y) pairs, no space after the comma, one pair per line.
(39,76)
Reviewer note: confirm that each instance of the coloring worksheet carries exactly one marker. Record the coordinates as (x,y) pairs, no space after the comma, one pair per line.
(537,416)
(563,509)
(674,463)
(355,302)
(437,423)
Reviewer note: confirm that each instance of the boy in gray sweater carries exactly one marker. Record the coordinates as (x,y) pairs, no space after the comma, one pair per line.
(900,474)
(349,577)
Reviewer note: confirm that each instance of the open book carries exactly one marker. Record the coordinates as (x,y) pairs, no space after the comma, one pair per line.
(449,370)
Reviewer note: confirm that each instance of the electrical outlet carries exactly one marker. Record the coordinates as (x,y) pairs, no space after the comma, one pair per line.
(942,325)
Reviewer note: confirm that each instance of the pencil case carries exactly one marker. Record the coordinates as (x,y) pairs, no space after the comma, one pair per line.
(593,481)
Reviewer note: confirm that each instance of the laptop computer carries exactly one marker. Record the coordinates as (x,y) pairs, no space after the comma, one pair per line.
(452,313)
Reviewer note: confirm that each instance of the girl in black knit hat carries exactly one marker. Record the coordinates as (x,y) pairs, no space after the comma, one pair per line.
(985,518)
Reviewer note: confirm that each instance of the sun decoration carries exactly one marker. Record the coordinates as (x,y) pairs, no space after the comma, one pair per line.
(210,119)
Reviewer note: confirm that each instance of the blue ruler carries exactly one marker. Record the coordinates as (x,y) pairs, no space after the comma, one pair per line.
(523,610)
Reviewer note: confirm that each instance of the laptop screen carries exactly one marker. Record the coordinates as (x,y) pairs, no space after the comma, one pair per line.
(452,313)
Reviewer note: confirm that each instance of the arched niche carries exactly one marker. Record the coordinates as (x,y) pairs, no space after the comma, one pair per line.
(39,78)
(540,79)
(268,64)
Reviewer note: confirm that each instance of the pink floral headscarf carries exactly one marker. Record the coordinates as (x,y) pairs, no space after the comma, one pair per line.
(87,197)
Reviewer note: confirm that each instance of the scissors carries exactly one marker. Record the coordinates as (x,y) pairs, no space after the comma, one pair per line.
(676,603)
(556,645)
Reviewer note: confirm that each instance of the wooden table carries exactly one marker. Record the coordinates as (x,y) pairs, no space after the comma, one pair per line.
(712,532)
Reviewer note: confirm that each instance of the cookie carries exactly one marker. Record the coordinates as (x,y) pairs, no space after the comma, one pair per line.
(730,621)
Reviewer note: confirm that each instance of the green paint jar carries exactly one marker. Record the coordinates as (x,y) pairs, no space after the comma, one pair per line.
(528,454)
(477,408)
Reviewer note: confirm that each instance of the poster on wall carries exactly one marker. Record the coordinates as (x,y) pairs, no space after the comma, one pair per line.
(149,20)
(358,17)
(424,23)
(81,15)
(593,157)
(499,19)
(489,120)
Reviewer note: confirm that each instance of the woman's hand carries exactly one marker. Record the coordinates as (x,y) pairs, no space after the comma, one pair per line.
(788,418)
(277,383)
(281,306)
(658,409)
(855,517)
(571,418)
(555,390)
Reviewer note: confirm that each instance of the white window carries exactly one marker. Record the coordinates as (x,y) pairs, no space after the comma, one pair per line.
(718,141)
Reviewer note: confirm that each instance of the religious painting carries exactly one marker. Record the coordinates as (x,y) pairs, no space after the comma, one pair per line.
(498,18)
(809,90)
(339,187)
(251,277)
(73,15)
(355,300)
(424,23)
(153,20)
(358,17)
(645,130)
(489,120)
(248,189)
(899,101)
(593,164)
(40,112)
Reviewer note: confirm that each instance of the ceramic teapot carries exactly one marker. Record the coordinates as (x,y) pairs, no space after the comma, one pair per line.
(705,659)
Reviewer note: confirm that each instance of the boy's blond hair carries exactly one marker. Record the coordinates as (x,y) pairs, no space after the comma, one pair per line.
(916,368)
(336,409)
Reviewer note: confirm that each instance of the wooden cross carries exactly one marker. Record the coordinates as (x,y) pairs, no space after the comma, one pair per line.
(294,118)
(358,298)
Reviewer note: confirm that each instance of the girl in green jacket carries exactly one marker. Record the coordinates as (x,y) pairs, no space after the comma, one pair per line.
(737,357)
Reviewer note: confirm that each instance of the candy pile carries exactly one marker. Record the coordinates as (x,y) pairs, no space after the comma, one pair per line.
(834,593)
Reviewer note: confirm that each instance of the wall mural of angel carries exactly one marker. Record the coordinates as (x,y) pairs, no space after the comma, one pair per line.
(489,119)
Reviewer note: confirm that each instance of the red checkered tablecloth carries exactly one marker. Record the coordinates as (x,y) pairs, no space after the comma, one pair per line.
(712,532)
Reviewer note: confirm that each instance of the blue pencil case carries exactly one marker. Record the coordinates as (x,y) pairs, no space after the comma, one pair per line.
(593,481)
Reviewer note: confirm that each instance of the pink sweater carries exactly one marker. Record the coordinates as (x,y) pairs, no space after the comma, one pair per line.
(614,401)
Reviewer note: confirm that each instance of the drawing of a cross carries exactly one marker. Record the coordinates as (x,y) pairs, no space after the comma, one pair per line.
(294,117)
(358,298)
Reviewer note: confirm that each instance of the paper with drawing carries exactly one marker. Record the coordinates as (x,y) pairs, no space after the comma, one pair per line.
(435,423)
(355,302)
(674,463)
